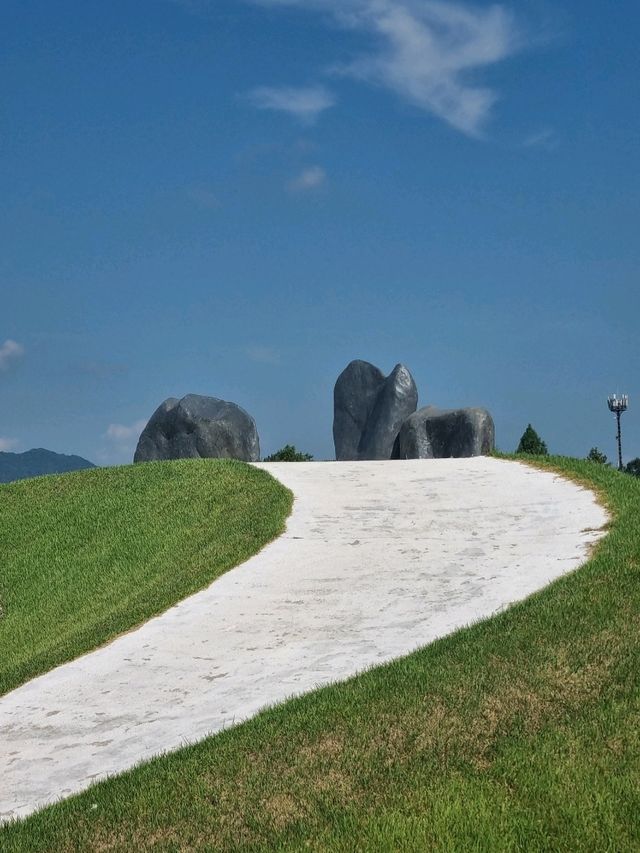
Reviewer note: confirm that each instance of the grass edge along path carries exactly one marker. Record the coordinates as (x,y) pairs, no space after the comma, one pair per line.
(89,555)
(521,732)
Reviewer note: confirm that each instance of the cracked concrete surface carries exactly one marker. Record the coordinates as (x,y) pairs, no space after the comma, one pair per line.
(378,559)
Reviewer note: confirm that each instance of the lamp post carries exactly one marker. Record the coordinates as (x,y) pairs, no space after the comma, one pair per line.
(618,405)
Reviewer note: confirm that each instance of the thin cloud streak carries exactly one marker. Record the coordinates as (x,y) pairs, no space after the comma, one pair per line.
(305,104)
(7,444)
(546,139)
(263,355)
(101,369)
(425,51)
(10,351)
(203,197)
(309,179)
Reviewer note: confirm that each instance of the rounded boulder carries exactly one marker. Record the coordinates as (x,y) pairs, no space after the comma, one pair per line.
(199,427)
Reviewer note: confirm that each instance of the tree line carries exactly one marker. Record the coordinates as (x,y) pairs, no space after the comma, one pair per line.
(532,445)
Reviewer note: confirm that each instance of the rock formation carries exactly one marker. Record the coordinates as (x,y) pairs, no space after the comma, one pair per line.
(432,433)
(198,427)
(369,410)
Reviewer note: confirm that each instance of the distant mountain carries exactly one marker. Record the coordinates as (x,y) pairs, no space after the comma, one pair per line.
(34,463)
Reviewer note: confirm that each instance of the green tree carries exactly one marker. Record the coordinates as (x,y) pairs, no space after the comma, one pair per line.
(598,456)
(288,453)
(532,443)
(633,467)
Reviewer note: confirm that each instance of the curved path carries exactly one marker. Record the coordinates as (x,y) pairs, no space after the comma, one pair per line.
(378,559)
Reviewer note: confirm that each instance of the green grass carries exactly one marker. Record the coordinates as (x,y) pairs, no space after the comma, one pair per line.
(88,555)
(520,733)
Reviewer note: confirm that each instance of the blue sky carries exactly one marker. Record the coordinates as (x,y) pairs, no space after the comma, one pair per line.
(237,198)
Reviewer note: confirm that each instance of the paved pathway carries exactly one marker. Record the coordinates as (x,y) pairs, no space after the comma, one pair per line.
(378,558)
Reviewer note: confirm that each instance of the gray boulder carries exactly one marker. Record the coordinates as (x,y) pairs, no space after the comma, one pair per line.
(432,433)
(198,427)
(369,409)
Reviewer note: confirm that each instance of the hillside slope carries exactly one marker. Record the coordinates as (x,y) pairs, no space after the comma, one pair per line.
(86,556)
(519,733)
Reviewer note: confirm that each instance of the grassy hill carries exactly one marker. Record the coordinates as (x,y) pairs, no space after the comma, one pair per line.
(520,733)
(86,556)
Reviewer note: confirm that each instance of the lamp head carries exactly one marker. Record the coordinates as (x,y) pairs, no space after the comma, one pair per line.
(618,404)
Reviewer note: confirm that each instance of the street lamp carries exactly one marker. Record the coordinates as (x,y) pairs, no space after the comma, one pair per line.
(618,405)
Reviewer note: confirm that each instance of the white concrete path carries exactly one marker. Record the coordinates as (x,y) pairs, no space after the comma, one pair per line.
(378,559)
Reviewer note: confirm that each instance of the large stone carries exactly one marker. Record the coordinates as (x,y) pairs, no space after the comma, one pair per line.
(354,397)
(432,433)
(199,427)
(369,410)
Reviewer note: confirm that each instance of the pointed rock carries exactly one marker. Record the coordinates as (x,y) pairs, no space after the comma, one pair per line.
(369,410)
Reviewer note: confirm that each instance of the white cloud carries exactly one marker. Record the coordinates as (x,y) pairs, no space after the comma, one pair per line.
(121,443)
(122,434)
(8,444)
(546,139)
(308,179)
(305,103)
(9,352)
(263,355)
(425,51)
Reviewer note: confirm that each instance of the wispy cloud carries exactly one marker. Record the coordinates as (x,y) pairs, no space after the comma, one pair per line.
(10,351)
(308,179)
(425,51)
(546,139)
(305,104)
(203,197)
(120,433)
(263,355)
(121,440)
(101,369)
(8,444)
